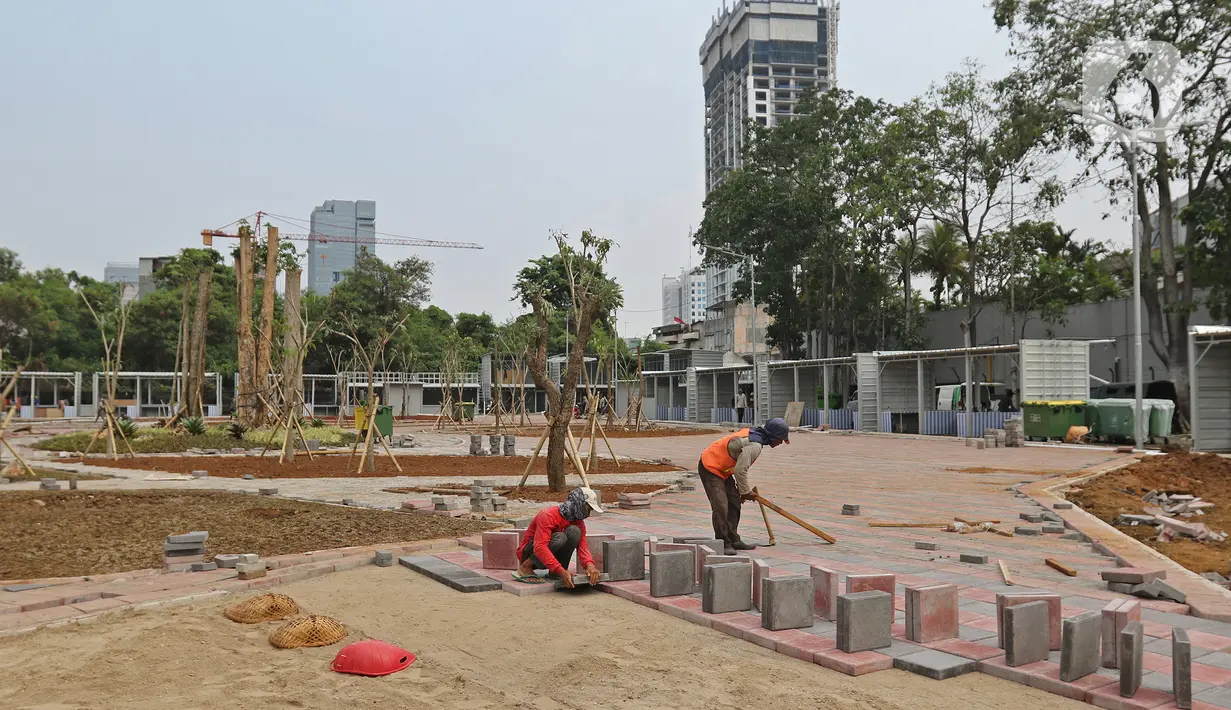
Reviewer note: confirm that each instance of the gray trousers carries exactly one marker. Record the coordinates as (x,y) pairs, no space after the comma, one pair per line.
(724,502)
(562,545)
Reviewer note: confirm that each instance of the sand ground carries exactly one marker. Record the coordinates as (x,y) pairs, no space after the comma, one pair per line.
(476,651)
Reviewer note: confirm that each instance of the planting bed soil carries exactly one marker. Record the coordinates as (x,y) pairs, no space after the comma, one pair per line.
(19,475)
(543,495)
(343,466)
(1206,476)
(75,533)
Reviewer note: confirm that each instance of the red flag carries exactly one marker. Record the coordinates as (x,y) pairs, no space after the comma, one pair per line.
(677,320)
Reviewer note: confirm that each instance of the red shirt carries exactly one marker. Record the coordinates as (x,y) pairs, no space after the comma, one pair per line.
(546,523)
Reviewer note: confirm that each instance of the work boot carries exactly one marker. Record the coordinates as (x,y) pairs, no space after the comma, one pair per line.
(741,545)
(728,550)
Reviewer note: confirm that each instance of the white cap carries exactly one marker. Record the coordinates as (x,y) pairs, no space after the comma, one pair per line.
(592,500)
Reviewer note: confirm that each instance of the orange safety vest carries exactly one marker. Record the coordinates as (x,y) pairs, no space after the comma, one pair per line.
(717,458)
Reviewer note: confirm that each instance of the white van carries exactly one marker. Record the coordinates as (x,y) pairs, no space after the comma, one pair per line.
(949,397)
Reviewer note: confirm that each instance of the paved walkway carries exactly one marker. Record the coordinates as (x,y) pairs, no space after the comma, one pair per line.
(903,479)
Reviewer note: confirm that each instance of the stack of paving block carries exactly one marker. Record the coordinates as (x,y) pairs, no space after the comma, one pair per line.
(510,444)
(500,504)
(493,444)
(476,445)
(990,441)
(688,483)
(481,494)
(850,509)
(1014,433)
(48,484)
(1144,583)
(449,506)
(250,566)
(179,552)
(630,501)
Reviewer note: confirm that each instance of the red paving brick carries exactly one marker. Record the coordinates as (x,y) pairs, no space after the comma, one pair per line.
(1108,696)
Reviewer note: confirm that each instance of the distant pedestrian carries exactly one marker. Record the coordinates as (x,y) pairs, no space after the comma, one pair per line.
(741,401)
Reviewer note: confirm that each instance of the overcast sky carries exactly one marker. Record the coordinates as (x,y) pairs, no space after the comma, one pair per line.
(130,126)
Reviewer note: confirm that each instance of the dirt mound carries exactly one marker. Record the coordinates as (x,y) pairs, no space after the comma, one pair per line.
(1206,476)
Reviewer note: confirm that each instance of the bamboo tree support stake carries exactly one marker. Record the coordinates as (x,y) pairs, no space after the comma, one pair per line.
(530,464)
(298,426)
(367,440)
(572,449)
(116,425)
(385,442)
(4,440)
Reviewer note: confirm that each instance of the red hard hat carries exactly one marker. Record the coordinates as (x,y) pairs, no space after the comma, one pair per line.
(372,658)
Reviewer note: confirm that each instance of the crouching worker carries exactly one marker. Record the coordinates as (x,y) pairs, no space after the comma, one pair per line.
(554,535)
(723,470)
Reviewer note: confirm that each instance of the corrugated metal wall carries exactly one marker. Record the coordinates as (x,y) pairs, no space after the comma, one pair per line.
(1212,389)
(867,366)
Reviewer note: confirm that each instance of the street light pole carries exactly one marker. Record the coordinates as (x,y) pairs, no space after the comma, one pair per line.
(1138,229)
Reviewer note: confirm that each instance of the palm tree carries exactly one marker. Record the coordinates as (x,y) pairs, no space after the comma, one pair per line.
(943,257)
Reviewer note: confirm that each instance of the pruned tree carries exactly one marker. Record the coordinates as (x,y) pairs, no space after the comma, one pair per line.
(369,352)
(111,325)
(589,293)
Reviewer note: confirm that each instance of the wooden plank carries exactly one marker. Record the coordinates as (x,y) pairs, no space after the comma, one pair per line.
(1060,567)
(976,522)
(1002,533)
(1004,572)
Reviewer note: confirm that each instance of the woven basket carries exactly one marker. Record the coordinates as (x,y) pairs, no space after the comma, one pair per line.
(266,607)
(308,631)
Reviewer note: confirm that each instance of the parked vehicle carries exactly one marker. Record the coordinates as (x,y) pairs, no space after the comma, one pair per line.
(951,398)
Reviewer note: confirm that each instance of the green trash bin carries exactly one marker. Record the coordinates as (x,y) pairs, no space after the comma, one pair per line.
(384,420)
(1052,419)
(835,399)
(1115,417)
(464,411)
(1162,412)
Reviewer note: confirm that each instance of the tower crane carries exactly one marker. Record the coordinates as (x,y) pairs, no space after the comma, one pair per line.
(208,236)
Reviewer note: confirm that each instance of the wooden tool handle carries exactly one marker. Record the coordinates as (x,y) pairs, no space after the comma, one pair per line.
(768,529)
(806,526)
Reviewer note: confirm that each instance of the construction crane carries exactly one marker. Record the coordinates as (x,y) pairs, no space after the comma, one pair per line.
(208,235)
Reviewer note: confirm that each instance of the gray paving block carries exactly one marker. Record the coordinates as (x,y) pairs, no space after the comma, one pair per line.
(865,621)
(970,633)
(671,573)
(1218,659)
(204,566)
(1079,645)
(1219,696)
(449,574)
(24,587)
(936,665)
(1182,668)
(1125,588)
(1025,531)
(726,588)
(198,536)
(226,561)
(1131,655)
(1064,505)
(384,558)
(1025,633)
(624,559)
(919,545)
(1160,589)
(268,491)
(1132,575)
(787,603)
(899,648)
(1053,529)
(974,559)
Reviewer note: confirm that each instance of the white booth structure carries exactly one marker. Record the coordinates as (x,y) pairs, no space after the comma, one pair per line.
(1209,382)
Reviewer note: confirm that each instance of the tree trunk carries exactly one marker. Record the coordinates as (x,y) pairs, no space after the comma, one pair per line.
(265,341)
(200,323)
(246,400)
(178,385)
(292,349)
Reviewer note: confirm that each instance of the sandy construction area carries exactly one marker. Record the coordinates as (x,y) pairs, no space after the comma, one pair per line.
(490,650)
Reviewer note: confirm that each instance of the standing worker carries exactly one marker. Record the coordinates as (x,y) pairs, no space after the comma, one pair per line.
(554,535)
(734,454)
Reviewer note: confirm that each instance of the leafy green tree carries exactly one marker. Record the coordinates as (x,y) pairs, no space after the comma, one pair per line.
(1051,40)
(479,328)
